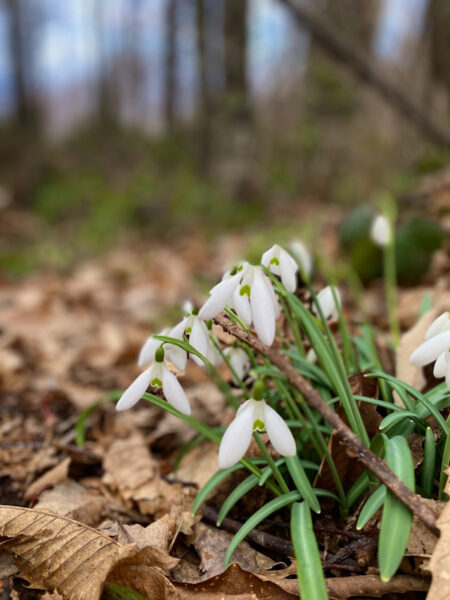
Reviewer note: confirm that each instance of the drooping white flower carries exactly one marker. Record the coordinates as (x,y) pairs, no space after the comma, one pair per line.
(436,347)
(239,361)
(173,354)
(303,257)
(249,292)
(157,375)
(281,263)
(327,303)
(254,415)
(200,338)
(381,231)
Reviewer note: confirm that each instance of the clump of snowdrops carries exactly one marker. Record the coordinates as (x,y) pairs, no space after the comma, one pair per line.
(276,302)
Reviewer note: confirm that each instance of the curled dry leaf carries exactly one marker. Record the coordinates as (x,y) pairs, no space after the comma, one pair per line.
(57,553)
(49,479)
(440,560)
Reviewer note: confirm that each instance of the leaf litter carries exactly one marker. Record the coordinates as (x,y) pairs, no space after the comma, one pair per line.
(115,511)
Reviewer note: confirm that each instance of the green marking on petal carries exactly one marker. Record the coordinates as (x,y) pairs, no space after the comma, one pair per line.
(156,382)
(188,331)
(245,289)
(275,261)
(258,425)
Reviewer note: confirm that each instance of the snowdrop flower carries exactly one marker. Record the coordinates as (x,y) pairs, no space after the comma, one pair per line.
(254,415)
(281,263)
(173,354)
(380,231)
(303,257)
(436,347)
(326,301)
(249,292)
(157,375)
(200,335)
(239,361)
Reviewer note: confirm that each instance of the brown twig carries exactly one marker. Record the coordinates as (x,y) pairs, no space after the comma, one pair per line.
(266,540)
(353,445)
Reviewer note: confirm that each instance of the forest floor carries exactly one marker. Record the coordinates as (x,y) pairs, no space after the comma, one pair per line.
(66,342)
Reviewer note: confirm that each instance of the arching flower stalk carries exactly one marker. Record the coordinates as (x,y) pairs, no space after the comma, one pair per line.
(254,415)
(157,375)
(436,347)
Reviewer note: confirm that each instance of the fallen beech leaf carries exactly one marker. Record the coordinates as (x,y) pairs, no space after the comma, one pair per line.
(211,545)
(440,560)
(61,554)
(49,479)
(409,341)
(70,499)
(234,584)
(55,552)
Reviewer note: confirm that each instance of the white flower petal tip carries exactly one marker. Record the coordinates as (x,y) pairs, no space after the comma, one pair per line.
(174,393)
(442,323)
(326,301)
(220,296)
(239,361)
(380,231)
(431,349)
(441,365)
(236,438)
(281,263)
(135,391)
(303,257)
(263,312)
(147,353)
(279,433)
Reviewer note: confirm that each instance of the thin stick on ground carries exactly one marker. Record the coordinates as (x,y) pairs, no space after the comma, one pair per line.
(354,447)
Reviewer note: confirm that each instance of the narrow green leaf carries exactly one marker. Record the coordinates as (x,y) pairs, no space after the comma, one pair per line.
(211,484)
(358,489)
(309,567)
(80,425)
(375,502)
(302,482)
(429,463)
(396,417)
(240,490)
(444,465)
(396,520)
(261,514)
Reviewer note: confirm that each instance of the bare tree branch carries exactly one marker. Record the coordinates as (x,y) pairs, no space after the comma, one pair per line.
(348,53)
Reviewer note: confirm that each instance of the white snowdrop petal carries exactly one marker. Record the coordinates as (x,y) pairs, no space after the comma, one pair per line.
(269,254)
(380,230)
(279,433)
(440,366)
(198,339)
(431,349)
(243,406)
(236,438)
(447,376)
(288,274)
(240,362)
(302,256)
(263,314)
(147,353)
(174,393)
(271,292)
(325,299)
(135,391)
(220,296)
(437,326)
(241,305)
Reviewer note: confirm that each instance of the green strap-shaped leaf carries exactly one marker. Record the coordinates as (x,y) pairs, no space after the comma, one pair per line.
(240,490)
(429,463)
(375,502)
(261,514)
(396,417)
(396,520)
(309,567)
(358,489)
(211,484)
(302,482)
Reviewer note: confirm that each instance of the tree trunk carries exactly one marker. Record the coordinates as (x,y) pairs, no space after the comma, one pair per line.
(170,65)
(205,116)
(236,58)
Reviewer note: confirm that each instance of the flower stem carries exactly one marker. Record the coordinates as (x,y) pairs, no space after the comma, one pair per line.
(275,470)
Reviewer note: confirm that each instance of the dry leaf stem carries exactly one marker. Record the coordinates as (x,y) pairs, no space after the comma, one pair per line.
(354,447)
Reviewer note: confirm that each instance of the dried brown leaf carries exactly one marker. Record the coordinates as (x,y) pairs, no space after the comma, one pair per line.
(57,553)
(49,479)
(70,499)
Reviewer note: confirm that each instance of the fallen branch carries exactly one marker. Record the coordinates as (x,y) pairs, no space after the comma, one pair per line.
(348,53)
(341,588)
(353,445)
